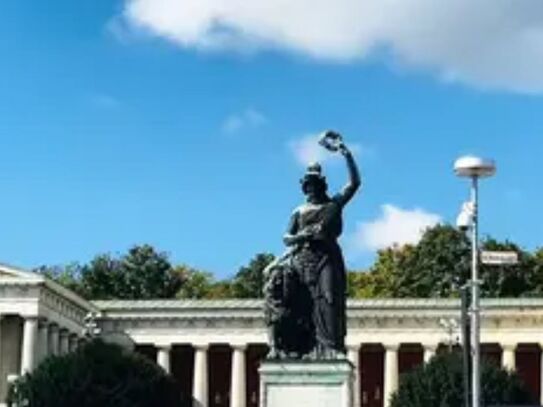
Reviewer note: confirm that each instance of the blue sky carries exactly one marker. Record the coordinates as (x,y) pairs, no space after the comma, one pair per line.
(182,124)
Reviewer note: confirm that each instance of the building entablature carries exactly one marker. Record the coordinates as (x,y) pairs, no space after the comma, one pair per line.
(30,295)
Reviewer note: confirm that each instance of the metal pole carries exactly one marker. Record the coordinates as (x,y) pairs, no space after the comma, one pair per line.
(475,329)
(466,347)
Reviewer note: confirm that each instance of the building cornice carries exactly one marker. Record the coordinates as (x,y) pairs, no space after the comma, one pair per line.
(384,304)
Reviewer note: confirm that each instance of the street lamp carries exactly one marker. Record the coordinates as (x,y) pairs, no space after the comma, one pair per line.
(474,168)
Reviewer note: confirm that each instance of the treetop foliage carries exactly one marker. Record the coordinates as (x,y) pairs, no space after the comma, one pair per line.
(143,273)
(435,267)
(440,264)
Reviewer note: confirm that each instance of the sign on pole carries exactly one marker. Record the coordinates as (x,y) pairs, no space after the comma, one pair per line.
(499,258)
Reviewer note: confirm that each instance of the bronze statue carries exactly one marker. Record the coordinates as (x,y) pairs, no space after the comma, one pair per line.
(306,288)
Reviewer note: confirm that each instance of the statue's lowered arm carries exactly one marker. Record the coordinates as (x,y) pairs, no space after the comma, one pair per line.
(294,236)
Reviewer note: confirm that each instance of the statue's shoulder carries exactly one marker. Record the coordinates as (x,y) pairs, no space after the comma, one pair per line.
(299,209)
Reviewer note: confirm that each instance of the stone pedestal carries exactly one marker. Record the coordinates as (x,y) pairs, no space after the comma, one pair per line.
(306,384)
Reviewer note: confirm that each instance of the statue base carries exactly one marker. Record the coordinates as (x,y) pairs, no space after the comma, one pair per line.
(306,383)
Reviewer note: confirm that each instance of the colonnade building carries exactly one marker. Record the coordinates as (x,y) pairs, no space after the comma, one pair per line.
(213,348)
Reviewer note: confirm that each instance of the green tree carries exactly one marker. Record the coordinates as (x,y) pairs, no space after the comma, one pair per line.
(220,290)
(148,274)
(360,284)
(538,272)
(441,263)
(440,383)
(197,284)
(102,278)
(509,280)
(438,265)
(384,278)
(68,276)
(142,273)
(97,374)
(249,280)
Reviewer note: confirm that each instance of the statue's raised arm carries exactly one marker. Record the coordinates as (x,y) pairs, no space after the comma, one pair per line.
(334,142)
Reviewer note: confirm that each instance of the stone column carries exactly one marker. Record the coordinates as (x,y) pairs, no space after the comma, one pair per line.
(163,358)
(200,382)
(430,350)
(353,354)
(64,342)
(238,388)
(53,340)
(508,356)
(43,341)
(29,348)
(391,372)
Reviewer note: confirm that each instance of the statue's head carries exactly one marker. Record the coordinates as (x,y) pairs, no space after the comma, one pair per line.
(313,182)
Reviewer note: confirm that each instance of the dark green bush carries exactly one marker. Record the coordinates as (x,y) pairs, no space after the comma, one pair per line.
(440,384)
(96,375)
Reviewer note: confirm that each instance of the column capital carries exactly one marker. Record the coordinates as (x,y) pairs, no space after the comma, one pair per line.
(430,345)
(392,346)
(353,347)
(163,346)
(200,346)
(53,326)
(238,346)
(510,346)
(43,323)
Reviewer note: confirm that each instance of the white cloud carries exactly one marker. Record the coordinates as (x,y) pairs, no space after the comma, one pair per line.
(394,226)
(249,118)
(488,43)
(307,150)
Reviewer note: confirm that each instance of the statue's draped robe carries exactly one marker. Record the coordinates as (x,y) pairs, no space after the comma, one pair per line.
(322,270)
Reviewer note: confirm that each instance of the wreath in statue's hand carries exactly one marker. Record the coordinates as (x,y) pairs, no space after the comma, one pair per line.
(331,140)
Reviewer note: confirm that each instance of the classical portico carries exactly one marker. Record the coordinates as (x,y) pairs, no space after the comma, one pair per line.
(385,338)
(37,317)
(214,348)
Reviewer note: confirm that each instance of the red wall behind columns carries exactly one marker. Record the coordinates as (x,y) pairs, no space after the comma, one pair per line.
(372,375)
(219,373)
(255,356)
(528,361)
(492,352)
(410,356)
(182,368)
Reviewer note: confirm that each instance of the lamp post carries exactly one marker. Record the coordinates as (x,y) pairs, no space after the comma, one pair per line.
(474,168)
